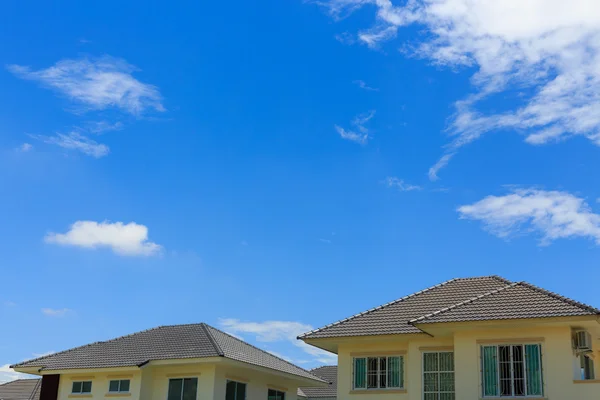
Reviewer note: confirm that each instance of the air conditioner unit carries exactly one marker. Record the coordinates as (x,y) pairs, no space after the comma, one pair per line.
(583,341)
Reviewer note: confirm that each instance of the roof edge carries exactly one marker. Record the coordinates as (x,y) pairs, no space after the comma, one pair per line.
(462,303)
(564,299)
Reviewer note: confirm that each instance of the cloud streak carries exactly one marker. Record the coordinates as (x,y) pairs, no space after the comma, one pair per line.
(359,133)
(550,214)
(400,184)
(123,239)
(76,141)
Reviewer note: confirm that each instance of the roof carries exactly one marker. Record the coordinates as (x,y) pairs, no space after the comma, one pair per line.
(164,343)
(462,299)
(327,373)
(21,389)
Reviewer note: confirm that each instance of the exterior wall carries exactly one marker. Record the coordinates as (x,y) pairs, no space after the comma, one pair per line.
(159,381)
(99,385)
(257,384)
(557,359)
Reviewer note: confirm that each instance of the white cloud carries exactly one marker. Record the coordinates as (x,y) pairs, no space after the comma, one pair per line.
(56,312)
(279,331)
(363,85)
(97,84)
(25,147)
(124,239)
(551,48)
(7,374)
(551,214)
(102,126)
(76,141)
(442,162)
(360,134)
(400,184)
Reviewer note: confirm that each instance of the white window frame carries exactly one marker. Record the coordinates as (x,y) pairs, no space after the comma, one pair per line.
(82,382)
(522,344)
(183,378)
(439,372)
(387,364)
(119,390)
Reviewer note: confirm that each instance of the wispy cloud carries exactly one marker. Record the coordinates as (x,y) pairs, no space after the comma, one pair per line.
(56,312)
(400,184)
(551,214)
(360,133)
(555,58)
(102,126)
(97,84)
(76,141)
(278,331)
(7,374)
(124,239)
(25,147)
(363,85)
(345,38)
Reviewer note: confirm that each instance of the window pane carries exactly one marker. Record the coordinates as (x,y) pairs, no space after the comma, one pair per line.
(230,390)
(371,373)
(446,361)
(76,387)
(490,370)
(175,389)
(518,371)
(241,391)
(281,396)
(190,386)
(113,386)
(360,373)
(505,370)
(393,379)
(383,372)
(533,364)
(86,387)
(430,361)
(124,387)
(430,382)
(446,381)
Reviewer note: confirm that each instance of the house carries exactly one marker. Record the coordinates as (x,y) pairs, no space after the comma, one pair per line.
(21,389)
(468,339)
(178,362)
(329,374)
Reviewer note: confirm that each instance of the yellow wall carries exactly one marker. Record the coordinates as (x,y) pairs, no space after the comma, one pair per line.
(558,358)
(99,384)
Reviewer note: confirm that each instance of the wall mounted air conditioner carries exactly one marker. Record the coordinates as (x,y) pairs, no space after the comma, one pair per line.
(583,341)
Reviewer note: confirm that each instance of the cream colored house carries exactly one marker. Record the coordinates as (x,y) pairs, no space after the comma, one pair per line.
(468,339)
(178,362)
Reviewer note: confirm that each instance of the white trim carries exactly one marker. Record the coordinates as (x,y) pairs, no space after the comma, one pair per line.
(378,373)
(438,372)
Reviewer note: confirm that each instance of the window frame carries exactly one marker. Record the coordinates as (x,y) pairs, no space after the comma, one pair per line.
(182,379)
(582,357)
(379,371)
(227,381)
(277,392)
(81,391)
(120,383)
(438,372)
(523,345)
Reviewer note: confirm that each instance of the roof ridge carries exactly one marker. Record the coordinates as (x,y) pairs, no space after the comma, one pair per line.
(262,350)
(561,298)
(212,339)
(462,303)
(83,346)
(304,335)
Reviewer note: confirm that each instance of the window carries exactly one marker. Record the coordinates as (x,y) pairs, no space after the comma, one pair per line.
(438,376)
(587,367)
(183,389)
(276,395)
(118,386)
(82,387)
(235,391)
(379,372)
(512,370)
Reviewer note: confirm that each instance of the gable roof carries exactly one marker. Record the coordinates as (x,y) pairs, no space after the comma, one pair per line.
(463,299)
(21,389)
(329,374)
(164,343)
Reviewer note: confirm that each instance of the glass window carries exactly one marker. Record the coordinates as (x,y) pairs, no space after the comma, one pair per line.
(82,387)
(235,391)
(276,395)
(587,367)
(119,386)
(183,389)
(379,372)
(512,370)
(438,376)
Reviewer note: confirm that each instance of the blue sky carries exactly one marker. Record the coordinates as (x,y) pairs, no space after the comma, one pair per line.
(271,169)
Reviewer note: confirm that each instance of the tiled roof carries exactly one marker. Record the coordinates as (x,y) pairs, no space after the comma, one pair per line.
(393,317)
(22,389)
(164,343)
(327,373)
(465,299)
(515,301)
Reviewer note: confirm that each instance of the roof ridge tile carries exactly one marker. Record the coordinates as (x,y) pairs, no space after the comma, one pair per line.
(212,339)
(561,298)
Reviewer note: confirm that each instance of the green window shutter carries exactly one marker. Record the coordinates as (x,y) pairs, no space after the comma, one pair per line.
(533,365)
(394,372)
(360,373)
(401,372)
(489,355)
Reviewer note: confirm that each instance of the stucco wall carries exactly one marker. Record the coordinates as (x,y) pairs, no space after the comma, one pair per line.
(559,379)
(257,384)
(99,384)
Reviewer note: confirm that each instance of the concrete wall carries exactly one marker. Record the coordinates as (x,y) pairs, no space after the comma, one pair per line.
(99,384)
